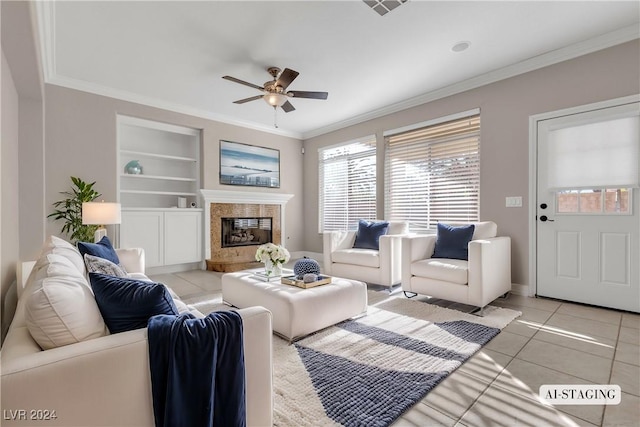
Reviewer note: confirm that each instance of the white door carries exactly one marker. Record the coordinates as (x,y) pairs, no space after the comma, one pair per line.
(588,216)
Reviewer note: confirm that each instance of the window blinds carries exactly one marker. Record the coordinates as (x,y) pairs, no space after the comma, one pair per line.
(347,185)
(595,155)
(432,174)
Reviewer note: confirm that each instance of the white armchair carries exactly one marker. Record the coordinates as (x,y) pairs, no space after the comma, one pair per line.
(478,281)
(381,267)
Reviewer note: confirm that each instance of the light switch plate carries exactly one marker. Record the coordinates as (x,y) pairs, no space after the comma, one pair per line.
(513,201)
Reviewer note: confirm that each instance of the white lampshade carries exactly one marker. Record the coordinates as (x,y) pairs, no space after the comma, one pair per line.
(275,99)
(101,213)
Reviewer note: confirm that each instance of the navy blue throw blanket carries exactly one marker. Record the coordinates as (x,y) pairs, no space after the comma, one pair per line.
(197,370)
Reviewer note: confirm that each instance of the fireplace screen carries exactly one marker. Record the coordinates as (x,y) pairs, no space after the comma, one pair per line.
(245,231)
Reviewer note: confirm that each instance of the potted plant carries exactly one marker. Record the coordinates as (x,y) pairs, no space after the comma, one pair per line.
(70,210)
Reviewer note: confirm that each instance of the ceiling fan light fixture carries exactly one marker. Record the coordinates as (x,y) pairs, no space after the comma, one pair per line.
(274,92)
(275,99)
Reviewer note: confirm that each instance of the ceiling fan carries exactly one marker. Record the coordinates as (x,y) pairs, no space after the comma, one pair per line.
(275,91)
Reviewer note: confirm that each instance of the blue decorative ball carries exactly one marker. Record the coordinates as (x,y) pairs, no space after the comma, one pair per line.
(133,167)
(306,266)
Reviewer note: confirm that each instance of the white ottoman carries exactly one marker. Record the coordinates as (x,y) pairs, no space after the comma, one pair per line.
(297,312)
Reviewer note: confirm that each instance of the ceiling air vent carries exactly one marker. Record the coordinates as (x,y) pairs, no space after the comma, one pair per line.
(384,6)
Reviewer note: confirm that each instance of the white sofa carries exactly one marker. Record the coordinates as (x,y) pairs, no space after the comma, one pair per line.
(381,267)
(106,381)
(483,278)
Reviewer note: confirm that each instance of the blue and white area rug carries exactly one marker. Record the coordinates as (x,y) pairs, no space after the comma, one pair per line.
(369,371)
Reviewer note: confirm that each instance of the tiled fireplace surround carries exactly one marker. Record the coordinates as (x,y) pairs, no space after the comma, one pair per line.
(220,204)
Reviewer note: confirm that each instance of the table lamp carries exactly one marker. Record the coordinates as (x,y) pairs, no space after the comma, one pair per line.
(101,214)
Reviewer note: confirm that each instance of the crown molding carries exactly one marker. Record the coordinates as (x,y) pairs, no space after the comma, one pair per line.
(124,95)
(45,11)
(595,44)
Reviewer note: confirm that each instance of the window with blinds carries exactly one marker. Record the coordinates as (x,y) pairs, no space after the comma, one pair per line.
(432,174)
(347,184)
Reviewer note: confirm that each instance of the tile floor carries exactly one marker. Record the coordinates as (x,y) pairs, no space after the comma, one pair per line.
(552,342)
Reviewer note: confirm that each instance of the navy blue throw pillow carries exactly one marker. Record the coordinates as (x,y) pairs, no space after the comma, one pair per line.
(453,242)
(102,249)
(369,232)
(128,304)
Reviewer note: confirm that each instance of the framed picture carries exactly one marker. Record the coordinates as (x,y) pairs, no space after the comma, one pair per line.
(244,164)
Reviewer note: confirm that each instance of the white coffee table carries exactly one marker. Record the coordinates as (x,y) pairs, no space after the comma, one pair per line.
(296,312)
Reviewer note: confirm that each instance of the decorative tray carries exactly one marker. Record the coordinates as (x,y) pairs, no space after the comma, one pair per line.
(293,281)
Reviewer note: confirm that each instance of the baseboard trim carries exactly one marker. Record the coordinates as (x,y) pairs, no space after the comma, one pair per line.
(518,289)
(177,268)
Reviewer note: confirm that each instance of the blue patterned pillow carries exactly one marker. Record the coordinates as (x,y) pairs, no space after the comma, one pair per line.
(453,242)
(128,304)
(369,232)
(102,249)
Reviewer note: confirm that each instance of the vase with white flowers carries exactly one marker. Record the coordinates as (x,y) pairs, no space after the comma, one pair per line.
(273,256)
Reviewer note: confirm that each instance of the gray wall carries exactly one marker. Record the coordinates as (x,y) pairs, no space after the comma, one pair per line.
(505,109)
(80,131)
(9,242)
(19,48)
(31,177)
(22,201)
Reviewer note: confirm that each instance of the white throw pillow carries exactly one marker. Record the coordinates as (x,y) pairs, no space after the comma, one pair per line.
(54,265)
(182,306)
(58,246)
(61,310)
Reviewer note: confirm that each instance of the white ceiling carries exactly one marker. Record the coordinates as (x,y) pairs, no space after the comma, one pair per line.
(172,54)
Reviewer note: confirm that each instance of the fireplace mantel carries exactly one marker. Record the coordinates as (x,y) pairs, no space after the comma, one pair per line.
(258,198)
(240,197)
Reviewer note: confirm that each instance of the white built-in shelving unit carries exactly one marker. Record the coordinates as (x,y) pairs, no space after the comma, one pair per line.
(170,159)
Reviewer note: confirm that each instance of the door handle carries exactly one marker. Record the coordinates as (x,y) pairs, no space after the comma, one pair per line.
(544,218)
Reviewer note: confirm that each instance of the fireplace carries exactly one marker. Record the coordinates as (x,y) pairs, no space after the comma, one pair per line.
(248,212)
(245,231)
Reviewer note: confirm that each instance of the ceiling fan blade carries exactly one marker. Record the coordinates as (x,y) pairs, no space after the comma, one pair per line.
(307,94)
(242,82)
(287,107)
(242,101)
(286,77)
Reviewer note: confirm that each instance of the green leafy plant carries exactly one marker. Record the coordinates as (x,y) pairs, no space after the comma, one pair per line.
(70,210)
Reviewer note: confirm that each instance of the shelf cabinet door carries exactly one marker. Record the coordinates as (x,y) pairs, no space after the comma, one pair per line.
(144,229)
(182,237)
